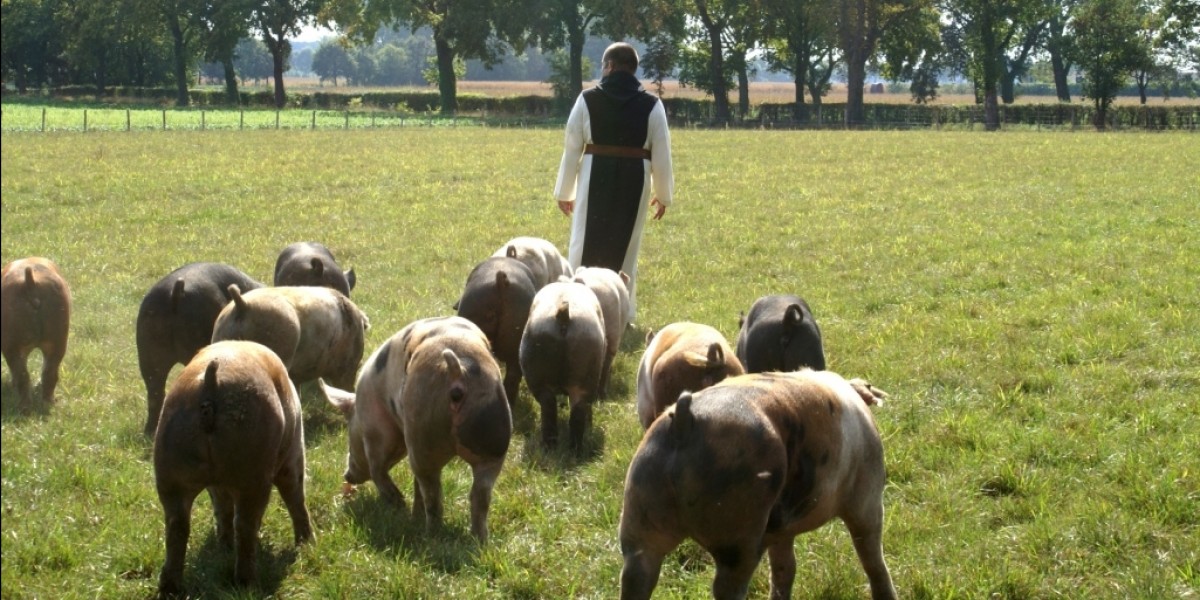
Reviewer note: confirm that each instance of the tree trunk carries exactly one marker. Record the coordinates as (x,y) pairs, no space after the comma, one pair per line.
(231,83)
(716,65)
(800,72)
(447,80)
(1008,87)
(575,40)
(1058,63)
(856,78)
(180,48)
(279,48)
(743,89)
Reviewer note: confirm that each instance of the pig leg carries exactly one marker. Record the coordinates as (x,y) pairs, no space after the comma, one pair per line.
(290,482)
(379,463)
(605,372)
(783,569)
(427,488)
(251,505)
(223,510)
(735,566)
(639,575)
(177,510)
(581,418)
(485,475)
(52,357)
(154,374)
(866,530)
(549,404)
(512,382)
(18,365)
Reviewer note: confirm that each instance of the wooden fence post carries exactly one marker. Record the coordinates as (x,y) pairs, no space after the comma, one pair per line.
(347,124)
(85,120)
(128,121)
(277,118)
(202,121)
(43,120)
(164,116)
(241,120)
(313,126)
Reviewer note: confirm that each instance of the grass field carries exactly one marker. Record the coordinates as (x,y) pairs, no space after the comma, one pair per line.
(1029,300)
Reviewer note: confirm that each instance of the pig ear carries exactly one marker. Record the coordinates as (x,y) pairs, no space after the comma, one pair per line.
(649,336)
(318,267)
(870,394)
(340,399)
(624,277)
(351,278)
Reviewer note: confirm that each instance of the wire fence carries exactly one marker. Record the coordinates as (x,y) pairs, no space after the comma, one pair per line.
(21,117)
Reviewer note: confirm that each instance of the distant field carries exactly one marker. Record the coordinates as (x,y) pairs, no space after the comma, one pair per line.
(1029,300)
(760,92)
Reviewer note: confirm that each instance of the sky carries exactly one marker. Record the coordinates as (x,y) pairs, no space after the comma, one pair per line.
(312,34)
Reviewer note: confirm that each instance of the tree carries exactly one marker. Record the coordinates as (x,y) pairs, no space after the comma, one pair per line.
(1060,44)
(990,28)
(252,60)
(223,24)
(461,30)
(1108,49)
(182,19)
(861,24)
(30,43)
(331,61)
(801,41)
(276,21)
(1168,26)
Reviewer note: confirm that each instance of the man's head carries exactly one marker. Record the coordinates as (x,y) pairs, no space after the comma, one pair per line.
(620,57)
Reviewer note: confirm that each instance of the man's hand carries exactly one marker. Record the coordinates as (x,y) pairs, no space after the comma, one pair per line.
(566,207)
(662,209)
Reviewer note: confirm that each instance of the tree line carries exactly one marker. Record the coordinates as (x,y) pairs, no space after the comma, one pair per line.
(714,45)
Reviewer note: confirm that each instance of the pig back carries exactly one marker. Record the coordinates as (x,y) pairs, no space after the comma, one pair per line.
(497,298)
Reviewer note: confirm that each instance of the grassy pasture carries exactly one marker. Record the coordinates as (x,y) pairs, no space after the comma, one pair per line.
(1029,300)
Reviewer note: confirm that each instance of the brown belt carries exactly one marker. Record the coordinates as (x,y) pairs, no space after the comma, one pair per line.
(619,151)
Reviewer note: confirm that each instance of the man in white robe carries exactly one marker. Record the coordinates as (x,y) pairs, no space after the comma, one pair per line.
(616,163)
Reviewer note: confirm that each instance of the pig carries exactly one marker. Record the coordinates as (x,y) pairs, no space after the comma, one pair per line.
(231,424)
(611,289)
(316,331)
(542,257)
(497,297)
(35,312)
(431,392)
(562,352)
(779,334)
(310,263)
(744,467)
(176,320)
(681,357)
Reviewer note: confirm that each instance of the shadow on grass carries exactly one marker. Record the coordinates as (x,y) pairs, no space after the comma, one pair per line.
(208,569)
(320,417)
(14,410)
(395,531)
(561,458)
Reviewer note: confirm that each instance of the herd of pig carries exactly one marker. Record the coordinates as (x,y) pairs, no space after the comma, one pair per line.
(744,449)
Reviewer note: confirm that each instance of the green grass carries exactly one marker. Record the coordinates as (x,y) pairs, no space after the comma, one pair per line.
(1029,300)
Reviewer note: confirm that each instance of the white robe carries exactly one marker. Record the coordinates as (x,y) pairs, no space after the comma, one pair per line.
(574,179)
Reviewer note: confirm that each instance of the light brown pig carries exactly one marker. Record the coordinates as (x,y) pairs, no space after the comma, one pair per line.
(35,313)
(431,392)
(316,331)
(231,424)
(611,289)
(681,357)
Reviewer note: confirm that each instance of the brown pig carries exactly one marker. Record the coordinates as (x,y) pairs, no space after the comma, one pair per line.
(35,313)
(230,424)
(431,392)
(681,357)
(744,467)
(316,331)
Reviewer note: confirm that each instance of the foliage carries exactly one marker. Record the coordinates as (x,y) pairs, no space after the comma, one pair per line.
(1035,325)
(1108,49)
(331,61)
(560,76)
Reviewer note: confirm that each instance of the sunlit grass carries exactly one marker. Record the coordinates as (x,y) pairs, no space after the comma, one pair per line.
(1029,300)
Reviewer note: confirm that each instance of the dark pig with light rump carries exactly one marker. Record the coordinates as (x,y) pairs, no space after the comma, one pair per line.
(310,263)
(231,424)
(35,313)
(430,393)
(176,320)
(745,466)
(496,298)
(562,352)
